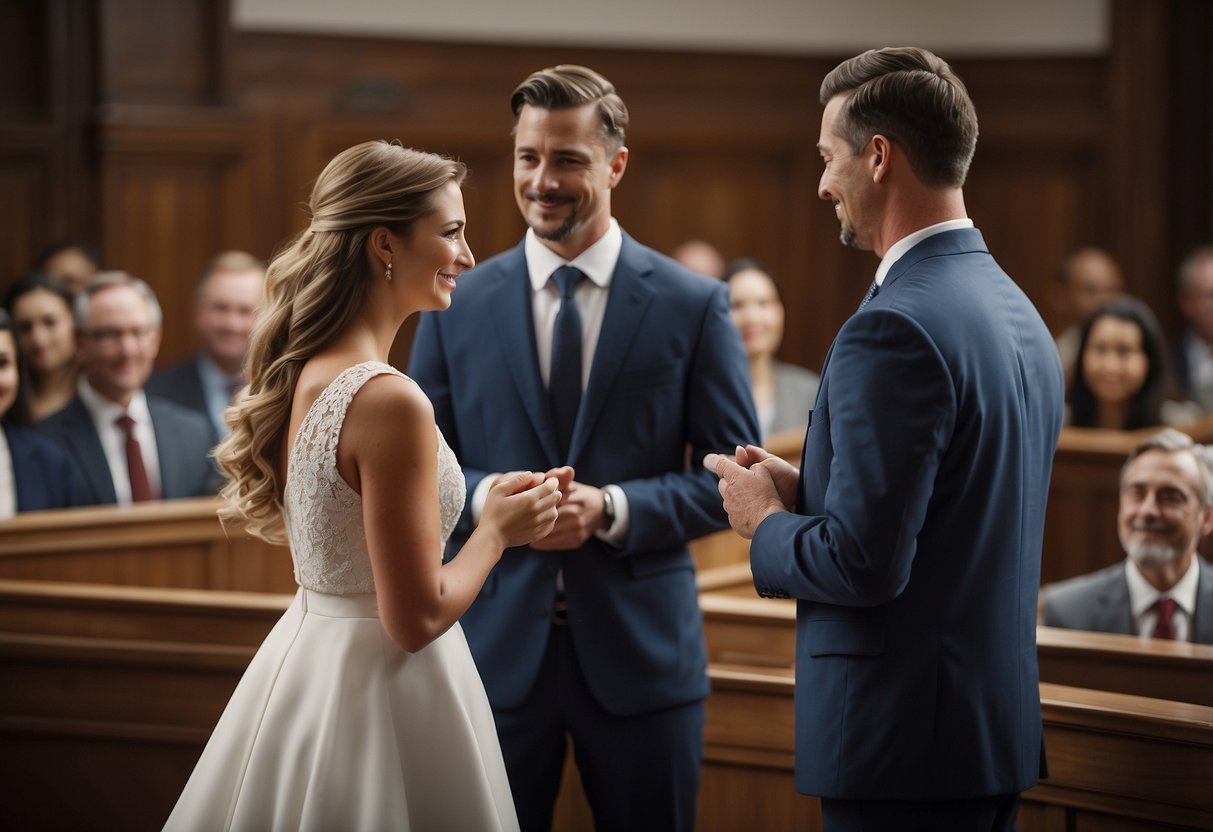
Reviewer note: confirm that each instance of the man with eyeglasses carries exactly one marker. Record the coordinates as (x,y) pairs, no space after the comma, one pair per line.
(127,446)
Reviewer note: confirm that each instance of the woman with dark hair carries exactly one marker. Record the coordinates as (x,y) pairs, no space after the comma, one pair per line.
(1121,378)
(35,473)
(41,311)
(783,393)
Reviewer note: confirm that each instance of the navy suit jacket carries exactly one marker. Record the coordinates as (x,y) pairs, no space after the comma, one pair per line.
(41,470)
(669,372)
(182,383)
(915,550)
(1099,603)
(182,445)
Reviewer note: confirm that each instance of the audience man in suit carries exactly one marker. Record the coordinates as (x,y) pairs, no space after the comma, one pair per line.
(585,353)
(1086,280)
(911,536)
(127,446)
(1164,589)
(1193,353)
(226,301)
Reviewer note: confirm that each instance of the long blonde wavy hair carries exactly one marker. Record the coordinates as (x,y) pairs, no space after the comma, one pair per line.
(314,288)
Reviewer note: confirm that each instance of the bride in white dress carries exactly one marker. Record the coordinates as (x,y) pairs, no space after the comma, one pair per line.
(362,710)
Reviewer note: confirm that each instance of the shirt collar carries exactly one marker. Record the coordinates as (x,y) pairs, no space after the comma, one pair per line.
(106,411)
(1142,593)
(899,248)
(597,262)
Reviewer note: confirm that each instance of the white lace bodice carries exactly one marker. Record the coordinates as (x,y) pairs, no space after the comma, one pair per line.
(323,514)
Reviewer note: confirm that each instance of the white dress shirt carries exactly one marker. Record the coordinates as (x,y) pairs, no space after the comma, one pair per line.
(597,263)
(105,413)
(1143,595)
(8,480)
(899,248)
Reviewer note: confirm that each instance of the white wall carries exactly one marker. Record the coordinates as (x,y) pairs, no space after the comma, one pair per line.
(799,27)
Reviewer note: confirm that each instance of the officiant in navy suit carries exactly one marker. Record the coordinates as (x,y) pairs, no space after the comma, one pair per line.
(911,535)
(581,347)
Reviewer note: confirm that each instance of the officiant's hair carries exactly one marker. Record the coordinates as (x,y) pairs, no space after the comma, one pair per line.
(912,97)
(314,288)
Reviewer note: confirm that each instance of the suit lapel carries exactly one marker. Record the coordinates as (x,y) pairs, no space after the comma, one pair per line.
(1202,621)
(86,444)
(169,486)
(511,300)
(1115,613)
(630,295)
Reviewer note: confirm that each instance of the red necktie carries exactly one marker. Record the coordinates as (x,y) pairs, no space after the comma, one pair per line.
(1165,627)
(141,488)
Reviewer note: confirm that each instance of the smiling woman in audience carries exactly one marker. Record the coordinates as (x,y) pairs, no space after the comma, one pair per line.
(783,393)
(1121,380)
(34,473)
(41,311)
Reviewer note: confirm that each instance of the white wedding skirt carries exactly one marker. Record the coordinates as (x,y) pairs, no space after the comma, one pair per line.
(335,727)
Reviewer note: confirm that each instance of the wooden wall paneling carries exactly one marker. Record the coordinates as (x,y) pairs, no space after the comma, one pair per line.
(1036,189)
(46,187)
(1190,115)
(162,51)
(1139,141)
(177,188)
(26,183)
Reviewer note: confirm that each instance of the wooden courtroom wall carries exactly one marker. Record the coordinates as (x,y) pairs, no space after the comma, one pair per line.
(155,129)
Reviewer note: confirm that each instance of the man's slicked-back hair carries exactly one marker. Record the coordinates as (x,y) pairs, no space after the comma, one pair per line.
(567,86)
(913,98)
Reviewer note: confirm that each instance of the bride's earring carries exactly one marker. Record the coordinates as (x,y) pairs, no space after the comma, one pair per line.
(387,274)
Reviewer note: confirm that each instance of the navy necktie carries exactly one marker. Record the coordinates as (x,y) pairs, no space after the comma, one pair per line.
(871,293)
(564,382)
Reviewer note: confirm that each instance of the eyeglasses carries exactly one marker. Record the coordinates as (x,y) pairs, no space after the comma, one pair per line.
(110,337)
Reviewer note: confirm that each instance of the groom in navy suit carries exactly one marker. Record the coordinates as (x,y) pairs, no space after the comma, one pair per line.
(911,534)
(582,352)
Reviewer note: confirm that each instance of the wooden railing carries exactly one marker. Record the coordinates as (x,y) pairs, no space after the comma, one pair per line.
(110,693)
(174,543)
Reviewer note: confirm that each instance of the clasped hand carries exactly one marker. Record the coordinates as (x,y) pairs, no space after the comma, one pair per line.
(754,485)
(580,513)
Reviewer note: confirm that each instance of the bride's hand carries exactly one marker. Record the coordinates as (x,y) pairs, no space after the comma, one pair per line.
(521,507)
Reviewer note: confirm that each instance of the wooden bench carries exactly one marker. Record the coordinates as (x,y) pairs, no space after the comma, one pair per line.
(110,693)
(174,543)
(1127,664)
(742,629)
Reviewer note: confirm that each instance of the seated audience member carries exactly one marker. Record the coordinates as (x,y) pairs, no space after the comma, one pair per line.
(783,393)
(1121,378)
(35,473)
(41,310)
(71,263)
(1164,589)
(1193,350)
(700,257)
(127,446)
(1086,280)
(227,297)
